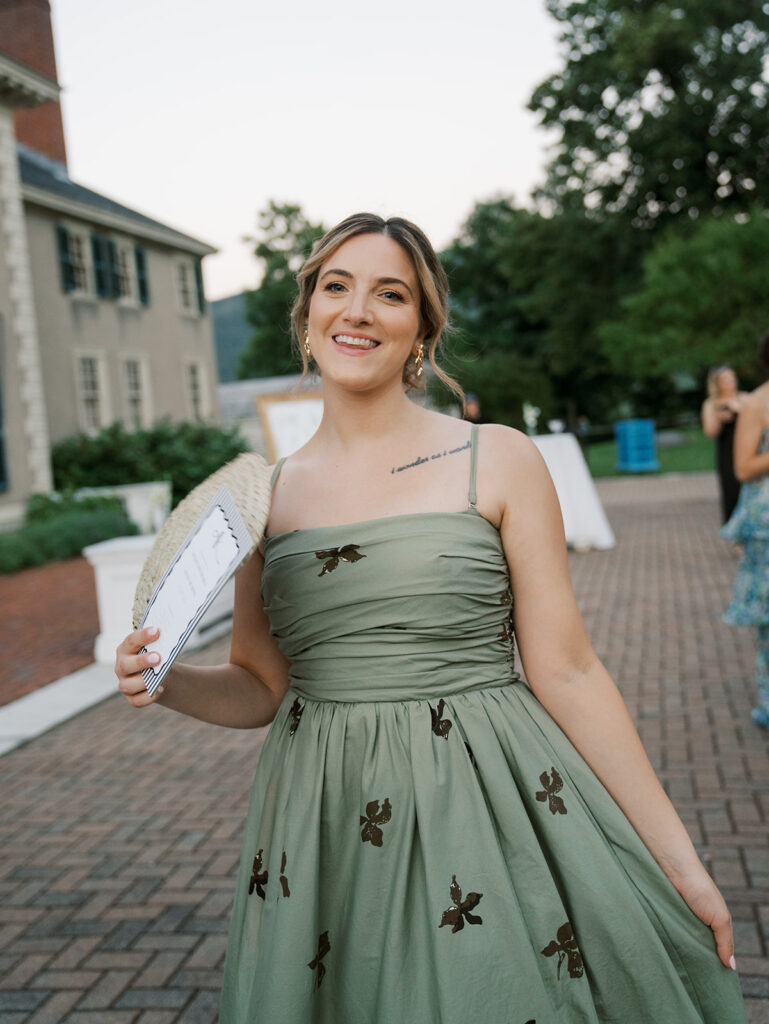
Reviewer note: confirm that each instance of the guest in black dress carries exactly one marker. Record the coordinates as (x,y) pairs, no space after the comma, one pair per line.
(719,419)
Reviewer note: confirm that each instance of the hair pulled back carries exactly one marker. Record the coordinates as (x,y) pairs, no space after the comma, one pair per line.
(713,375)
(433,286)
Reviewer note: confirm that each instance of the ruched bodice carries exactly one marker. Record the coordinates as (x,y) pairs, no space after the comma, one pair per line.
(405,607)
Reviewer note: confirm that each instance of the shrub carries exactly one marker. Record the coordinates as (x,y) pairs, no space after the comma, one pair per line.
(184,453)
(43,508)
(62,536)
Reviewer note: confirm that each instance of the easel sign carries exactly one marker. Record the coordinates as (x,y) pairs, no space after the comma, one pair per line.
(289,419)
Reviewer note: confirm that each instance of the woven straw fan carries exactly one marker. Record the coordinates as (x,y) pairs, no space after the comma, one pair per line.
(247,478)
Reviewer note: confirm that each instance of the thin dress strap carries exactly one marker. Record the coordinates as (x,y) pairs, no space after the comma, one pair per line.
(473,462)
(276,471)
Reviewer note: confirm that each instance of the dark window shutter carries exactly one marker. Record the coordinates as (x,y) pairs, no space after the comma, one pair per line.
(113,280)
(142,278)
(199,286)
(100,266)
(65,259)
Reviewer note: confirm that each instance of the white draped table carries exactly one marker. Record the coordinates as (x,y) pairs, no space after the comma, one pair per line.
(584,519)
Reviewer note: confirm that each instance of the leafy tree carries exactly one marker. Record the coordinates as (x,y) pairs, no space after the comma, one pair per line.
(283,243)
(703,301)
(661,108)
(577,270)
(528,295)
(495,354)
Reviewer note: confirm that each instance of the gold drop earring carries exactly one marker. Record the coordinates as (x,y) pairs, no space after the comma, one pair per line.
(307,351)
(419,359)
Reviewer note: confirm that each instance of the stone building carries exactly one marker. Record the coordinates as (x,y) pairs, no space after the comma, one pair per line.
(102,312)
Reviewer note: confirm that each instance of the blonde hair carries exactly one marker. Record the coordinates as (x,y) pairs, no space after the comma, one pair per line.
(713,376)
(433,287)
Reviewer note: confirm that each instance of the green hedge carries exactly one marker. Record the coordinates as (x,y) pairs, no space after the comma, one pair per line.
(184,453)
(63,536)
(43,508)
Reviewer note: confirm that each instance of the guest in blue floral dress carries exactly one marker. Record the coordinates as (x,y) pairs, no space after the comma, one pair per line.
(749,526)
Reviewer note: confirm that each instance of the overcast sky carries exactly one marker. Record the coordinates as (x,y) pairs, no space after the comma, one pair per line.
(197,112)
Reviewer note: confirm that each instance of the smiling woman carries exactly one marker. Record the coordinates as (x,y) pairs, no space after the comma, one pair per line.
(430,840)
(424,285)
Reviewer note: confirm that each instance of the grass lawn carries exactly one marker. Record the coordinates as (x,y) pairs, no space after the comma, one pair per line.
(694,455)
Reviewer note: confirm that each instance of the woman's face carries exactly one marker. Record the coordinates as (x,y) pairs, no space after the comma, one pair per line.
(364,313)
(726,382)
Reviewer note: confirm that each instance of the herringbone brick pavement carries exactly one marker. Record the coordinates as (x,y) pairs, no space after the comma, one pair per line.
(119,830)
(48,621)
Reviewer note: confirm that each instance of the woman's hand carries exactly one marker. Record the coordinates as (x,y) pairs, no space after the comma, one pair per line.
(727,410)
(129,665)
(701,894)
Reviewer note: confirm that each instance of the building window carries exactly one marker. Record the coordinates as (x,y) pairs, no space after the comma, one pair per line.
(105,267)
(189,286)
(201,296)
(142,277)
(90,394)
(195,391)
(125,273)
(186,287)
(95,264)
(74,260)
(79,263)
(134,394)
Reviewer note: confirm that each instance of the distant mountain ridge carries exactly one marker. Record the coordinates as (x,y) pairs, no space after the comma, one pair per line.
(232,333)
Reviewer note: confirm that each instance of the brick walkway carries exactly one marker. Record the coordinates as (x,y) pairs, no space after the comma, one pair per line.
(119,830)
(48,623)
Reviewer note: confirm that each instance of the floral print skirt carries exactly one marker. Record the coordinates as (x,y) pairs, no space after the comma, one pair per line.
(750,598)
(453,862)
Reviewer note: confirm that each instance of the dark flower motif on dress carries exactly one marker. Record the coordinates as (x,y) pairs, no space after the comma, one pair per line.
(471,755)
(282,879)
(371,832)
(507,631)
(296,713)
(460,912)
(333,556)
(553,785)
(564,945)
(441,726)
(323,947)
(258,877)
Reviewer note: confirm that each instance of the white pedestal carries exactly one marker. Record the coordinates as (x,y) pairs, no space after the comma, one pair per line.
(117,564)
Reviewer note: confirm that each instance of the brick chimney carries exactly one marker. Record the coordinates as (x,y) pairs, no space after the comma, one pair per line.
(26,36)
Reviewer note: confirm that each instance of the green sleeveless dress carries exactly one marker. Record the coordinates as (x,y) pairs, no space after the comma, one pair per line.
(423,844)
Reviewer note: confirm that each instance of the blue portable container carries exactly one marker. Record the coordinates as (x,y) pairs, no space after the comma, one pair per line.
(636,446)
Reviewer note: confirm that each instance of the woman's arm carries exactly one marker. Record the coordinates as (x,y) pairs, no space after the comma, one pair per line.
(566,675)
(711,422)
(243,694)
(748,463)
